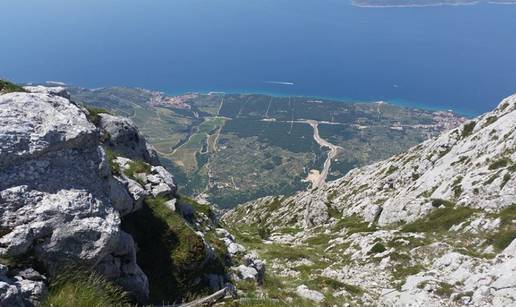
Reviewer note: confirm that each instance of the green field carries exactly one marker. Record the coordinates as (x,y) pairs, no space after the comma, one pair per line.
(237,147)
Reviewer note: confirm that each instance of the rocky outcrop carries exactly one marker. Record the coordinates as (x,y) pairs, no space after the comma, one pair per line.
(124,139)
(59,203)
(431,226)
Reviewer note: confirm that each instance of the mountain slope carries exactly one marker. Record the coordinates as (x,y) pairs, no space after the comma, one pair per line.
(424,226)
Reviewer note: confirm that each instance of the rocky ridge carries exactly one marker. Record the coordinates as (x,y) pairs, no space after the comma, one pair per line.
(431,226)
(73,184)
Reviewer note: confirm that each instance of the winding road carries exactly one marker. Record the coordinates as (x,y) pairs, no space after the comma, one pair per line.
(331,154)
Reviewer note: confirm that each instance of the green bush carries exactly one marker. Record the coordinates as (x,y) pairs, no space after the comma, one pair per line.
(8,87)
(137,167)
(502,238)
(111,157)
(468,129)
(377,248)
(94,112)
(82,289)
(502,162)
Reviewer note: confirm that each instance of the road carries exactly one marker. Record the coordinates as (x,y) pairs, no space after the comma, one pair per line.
(331,154)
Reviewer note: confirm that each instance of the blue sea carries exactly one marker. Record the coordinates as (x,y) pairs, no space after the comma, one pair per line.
(461,58)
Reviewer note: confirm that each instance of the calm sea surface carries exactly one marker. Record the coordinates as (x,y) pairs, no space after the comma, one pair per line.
(461,58)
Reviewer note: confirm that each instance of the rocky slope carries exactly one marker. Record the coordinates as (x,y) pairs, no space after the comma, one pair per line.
(432,226)
(82,190)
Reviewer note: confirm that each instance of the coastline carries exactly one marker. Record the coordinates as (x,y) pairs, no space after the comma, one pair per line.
(401,102)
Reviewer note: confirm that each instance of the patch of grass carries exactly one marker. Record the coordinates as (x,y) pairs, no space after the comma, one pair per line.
(137,167)
(170,253)
(502,238)
(508,215)
(281,251)
(205,209)
(490,120)
(505,179)
(502,162)
(391,170)
(113,165)
(275,203)
(401,271)
(94,112)
(319,239)
(440,219)
(492,178)
(468,129)
(444,290)
(83,289)
(437,202)
(354,224)
(507,231)
(9,87)
(377,248)
(288,230)
(456,187)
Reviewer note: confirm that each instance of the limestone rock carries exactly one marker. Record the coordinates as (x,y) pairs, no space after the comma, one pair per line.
(125,139)
(55,193)
(312,295)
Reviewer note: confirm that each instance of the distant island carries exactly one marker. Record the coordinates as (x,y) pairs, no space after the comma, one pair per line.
(422,3)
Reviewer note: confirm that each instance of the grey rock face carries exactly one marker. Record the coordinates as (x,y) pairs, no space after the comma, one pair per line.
(55,192)
(27,288)
(125,139)
(55,91)
(312,295)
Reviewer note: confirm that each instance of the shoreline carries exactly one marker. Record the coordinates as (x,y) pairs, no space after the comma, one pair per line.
(401,102)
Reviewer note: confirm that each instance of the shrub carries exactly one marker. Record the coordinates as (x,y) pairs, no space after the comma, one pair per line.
(137,167)
(82,289)
(490,120)
(391,170)
(468,129)
(377,248)
(8,87)
(437,202)
(444,290)
(501,239)
(113,165)
(94,112)
(502,162)
(505,179)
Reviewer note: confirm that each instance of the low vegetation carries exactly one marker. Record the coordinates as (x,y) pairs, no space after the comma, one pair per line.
(8,87)
(502,162)
(113,165)
(507,231)
(441,219)
(93,114)
(468,129)
(170,252)
(84,289)
(137,167)
(354,224)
